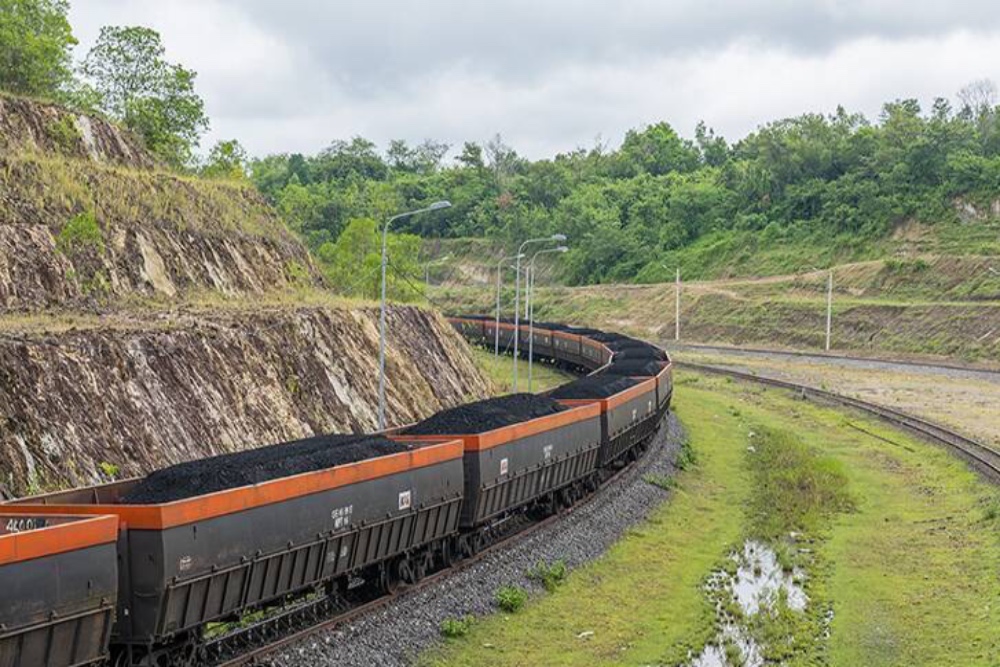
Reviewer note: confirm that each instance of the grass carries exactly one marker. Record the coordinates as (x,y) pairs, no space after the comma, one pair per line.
(908,560)
(500,371)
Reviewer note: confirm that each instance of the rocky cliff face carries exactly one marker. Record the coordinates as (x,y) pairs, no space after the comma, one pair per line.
(110,363)
(85,406)
(86,216)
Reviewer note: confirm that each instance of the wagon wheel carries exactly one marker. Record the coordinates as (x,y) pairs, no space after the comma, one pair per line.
(406,570)
(448,554)
(388,579)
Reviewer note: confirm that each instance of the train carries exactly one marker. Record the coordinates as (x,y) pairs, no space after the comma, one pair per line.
(90,579)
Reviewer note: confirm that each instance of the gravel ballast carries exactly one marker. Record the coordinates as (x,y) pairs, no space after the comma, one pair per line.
(230,471)
(394,635)
(486,415)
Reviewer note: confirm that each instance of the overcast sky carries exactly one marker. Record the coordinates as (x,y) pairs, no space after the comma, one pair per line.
(549,75)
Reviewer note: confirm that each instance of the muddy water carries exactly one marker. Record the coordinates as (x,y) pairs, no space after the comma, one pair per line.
(758,584)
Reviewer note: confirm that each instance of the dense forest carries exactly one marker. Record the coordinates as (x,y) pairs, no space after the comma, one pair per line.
(839,179)
(631,213)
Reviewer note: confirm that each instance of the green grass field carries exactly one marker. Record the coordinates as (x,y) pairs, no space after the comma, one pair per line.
(908,566)
(501,372)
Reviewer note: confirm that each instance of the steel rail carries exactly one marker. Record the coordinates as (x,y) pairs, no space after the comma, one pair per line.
(982,456)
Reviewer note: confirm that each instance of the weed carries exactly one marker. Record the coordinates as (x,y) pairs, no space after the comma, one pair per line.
(511,599)
(549,576)
(795,487)
(687,457)
(109,470)
(64,133)
(664,482)
(454,628)
(298,273)
(81,233)
(991,510)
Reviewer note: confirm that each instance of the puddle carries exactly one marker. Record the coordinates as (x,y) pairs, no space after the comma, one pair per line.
(758,584)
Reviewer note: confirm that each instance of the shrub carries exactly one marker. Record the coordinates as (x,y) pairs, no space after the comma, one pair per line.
(511,598)
(549,576)
(456,627)
(686,457)
(81,233)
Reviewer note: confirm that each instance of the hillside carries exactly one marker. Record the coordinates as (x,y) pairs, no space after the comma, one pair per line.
(925,305)
(86,215)
(148,318)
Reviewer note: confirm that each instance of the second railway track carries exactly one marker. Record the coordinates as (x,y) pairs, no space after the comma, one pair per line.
(983,457)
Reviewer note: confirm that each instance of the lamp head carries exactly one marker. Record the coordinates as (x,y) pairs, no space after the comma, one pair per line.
(438,205)
(558,237)
(562,248)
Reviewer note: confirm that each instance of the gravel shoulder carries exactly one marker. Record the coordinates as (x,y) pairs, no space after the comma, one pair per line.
(397,633)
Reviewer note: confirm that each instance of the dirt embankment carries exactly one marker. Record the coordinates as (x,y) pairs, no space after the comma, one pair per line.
(85,406)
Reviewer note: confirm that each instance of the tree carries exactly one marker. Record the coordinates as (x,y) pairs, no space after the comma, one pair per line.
(227,159)
(502,160)
(472,156)
(656,150)
(36,45)
(150,96)
(353,263)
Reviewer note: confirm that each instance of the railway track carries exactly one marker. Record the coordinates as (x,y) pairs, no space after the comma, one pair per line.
(982,457)
(673,347)
(254,655)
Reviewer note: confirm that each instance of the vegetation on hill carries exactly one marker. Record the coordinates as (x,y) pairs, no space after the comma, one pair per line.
(837,185)
(124,76)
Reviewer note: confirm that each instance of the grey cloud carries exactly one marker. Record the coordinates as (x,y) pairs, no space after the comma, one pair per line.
(381,45)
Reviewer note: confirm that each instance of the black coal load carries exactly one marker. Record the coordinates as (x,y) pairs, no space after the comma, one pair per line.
(607,337)
(634,367)
(487,415)
(230,471)
(594,386)
(551,326)
(639,351)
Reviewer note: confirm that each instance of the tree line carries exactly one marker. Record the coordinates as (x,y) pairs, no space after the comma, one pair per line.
(838,178)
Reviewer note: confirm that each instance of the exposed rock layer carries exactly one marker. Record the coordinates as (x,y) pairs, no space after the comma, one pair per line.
(80,407)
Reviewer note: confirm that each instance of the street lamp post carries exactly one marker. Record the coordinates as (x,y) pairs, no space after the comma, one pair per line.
(677,307)
(436,206)
(517,292)
(529,300)
(829,308)
(496,328)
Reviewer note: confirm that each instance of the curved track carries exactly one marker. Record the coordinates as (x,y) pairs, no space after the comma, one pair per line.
(806,354)
(982,457)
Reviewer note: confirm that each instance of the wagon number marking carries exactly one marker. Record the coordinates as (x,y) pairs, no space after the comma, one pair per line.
(342,517)
(405,500)
(21,525)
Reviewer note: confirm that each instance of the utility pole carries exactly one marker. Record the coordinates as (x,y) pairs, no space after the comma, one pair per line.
(829,308)
(677,307)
